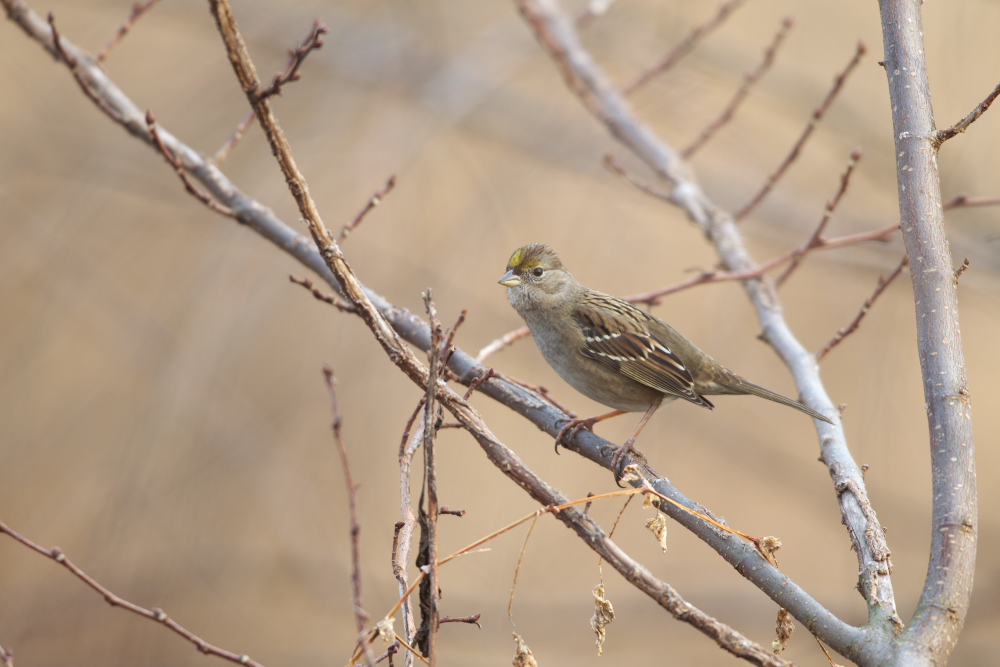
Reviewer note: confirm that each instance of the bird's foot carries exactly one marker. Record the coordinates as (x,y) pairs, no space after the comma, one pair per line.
(616,459)
(571,427)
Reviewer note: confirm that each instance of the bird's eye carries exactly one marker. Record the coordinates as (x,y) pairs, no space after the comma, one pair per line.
(537,272)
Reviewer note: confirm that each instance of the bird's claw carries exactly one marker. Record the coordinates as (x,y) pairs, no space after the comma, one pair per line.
(570,429)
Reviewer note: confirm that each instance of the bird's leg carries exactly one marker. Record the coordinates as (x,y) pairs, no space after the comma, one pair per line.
(625,448)
(574,425)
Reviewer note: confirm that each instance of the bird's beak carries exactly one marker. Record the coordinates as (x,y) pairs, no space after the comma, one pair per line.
(509,279)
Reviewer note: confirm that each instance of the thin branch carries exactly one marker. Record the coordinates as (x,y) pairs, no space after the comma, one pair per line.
(375,200)
(320,295)
(503,341)
(296,57)
(178,166)
(817,115)
(962,125)
(234,138)
(138,9)
(684,47)
(749,81)
(157,615)
(429,550)
(817,239)
(843,333)
(472,619)
(360,616)
(962,269)
(962,200)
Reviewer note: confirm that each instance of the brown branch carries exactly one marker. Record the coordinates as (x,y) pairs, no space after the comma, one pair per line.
(472,620)
(157,615)
(749,81)
(817,239)
(843,333)
(429,587)
(503,341)
(962,269)
(375,200)
(296,57)
(961,126)
(360,616)
(817,115)
(178,166)
(684,47)
(320,295)
(961,200)
(653,297)
(234,138)
(138,9)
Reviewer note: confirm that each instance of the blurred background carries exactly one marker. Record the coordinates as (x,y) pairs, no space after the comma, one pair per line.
(163,416)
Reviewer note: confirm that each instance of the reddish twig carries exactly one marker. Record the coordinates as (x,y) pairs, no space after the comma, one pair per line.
(322,296)
(138,9)
(375,200)
(962,269)
(447,510)
(838,84)
(617,168)
(477,383)
(962,125)
(234,138)
(685,47)
(503,341)
(158,615)
(296,56)
(360,616)
(749,80)
(961,200)
(816,240)
(841,334)
(473,619)
(652,298)
(178,166)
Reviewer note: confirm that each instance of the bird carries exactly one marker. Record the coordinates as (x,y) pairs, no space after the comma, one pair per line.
(613,351)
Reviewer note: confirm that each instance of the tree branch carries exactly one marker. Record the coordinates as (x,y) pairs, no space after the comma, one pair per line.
(933,631)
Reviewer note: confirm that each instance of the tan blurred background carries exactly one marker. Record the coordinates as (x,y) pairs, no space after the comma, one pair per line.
(162,413)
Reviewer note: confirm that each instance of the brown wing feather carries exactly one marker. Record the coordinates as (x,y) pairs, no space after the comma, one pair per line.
(622,342)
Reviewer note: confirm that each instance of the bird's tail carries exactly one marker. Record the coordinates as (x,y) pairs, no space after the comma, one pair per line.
(757,390)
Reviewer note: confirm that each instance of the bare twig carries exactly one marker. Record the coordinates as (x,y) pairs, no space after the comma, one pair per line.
(961,200)
(817,239)
(472,619)
(961,126)
(178,166)
(749,80)
(962,269)
(296,57)
(157,615)
(138,9)
(360,615)
(447,510)
(429,586)
(883,282)
(685,47)
(234,138)
(372,203)
(503,341)
(320,295)
(817,115)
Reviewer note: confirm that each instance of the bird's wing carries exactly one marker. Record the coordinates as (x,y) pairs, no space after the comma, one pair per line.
(616,335)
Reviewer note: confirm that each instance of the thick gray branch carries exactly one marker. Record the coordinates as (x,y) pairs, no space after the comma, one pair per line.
(932,633)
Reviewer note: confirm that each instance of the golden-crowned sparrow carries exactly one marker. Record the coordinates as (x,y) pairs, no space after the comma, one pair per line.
(612,351)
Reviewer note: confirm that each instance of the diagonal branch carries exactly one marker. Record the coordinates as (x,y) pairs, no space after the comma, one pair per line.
(962,125)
